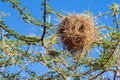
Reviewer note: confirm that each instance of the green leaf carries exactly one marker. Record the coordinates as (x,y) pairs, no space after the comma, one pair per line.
(17,3)
(114,8)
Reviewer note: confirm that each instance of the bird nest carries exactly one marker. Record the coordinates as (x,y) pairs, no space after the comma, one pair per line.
(77,32)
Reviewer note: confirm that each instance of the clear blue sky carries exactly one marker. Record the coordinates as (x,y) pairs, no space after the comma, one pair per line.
(64,6)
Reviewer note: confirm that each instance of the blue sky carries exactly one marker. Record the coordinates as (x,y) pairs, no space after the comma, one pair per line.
(64,6)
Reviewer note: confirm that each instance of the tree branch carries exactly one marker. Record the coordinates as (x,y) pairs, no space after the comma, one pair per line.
(44,20)
(25,16)
(116,22)
(23,38)
(97,75)
(111,53)
(0,34)
(60,71)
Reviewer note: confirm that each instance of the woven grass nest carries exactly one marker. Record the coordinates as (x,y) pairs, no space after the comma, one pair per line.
(77,32)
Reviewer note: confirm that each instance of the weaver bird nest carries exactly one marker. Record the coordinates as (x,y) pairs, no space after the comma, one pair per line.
(77,32)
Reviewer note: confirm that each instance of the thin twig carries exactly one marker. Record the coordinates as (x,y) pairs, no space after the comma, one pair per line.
(56,13)
(116,22)
(97,75)
(64,63)
(101,15)
(115,73)
(60,70)
(24,14)
(44,62)
(0,33)
(112,52)
(20,37)
(44,20)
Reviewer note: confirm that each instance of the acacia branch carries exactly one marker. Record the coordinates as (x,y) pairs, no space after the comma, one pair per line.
(20,37)
(116,22)
(25,16)
(111,53)
(44,20)
(56,13)
(1,34)
(64,63)
(97,75)
(114,78)
(45,63)
(59,70)
(100,15)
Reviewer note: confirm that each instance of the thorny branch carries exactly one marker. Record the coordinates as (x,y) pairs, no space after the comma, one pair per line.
(44,20)
(25,16)
(56,13)
(116,22)
(100,15)
(64,63)
(42,38)
(60,71)
(115,73)
(0,34)
(111,53)
(97,75)
(44,62)
(16,35)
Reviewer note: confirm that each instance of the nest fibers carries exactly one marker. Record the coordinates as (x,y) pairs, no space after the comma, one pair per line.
(77,32)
